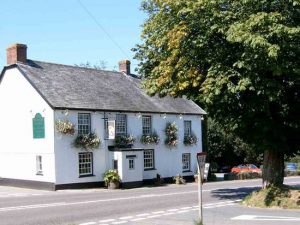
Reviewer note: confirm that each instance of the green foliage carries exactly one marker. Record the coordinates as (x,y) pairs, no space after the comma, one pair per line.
(111,176)
(239,59)
(150,139)
(87,141)
(171,134)
(124,140)
(190,140)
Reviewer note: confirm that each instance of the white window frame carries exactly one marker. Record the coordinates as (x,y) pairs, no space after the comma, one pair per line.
(121,124)
(39,165)
(149,159)
(85,164)
(146,125)
(186,161)
(84,123)
(187,127)
(131,164)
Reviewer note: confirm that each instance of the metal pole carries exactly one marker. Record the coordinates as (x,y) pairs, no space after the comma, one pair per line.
(200,194)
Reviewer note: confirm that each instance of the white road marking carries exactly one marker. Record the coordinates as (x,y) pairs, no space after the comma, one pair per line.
(154,216)
(119,222)
(167,214)
(186,208)
(88,223)
(107,221)
(126,218)
(138,219)
(265,218)
(182,211)
(158,212)
(143,214)
(172,210)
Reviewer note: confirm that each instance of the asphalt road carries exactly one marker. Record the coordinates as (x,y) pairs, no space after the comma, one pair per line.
(170,204)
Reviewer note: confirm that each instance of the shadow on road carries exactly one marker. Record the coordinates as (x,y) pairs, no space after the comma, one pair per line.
(233,194)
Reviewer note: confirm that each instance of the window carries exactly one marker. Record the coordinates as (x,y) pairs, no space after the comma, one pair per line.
(131,164)
(148,159)
(187,128)
(115,164)
(84,123)
(38,124)
(146,121)
(85,163)
(121,126)
(186,161)
(39,165)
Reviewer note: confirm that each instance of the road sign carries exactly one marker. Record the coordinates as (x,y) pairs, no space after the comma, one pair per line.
(201,165)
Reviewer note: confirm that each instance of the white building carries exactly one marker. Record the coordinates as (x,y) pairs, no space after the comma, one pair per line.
(35,95)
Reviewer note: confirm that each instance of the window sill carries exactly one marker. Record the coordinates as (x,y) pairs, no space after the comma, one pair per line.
(88,175)
(187,171)
(149,169)
(39,174)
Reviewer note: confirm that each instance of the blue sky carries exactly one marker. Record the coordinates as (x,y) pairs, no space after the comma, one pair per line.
(62,31)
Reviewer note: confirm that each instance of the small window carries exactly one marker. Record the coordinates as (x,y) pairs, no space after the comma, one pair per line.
(148,159)
(131,164)
(146,121)
(84,123)
(121,124)
(85,163)
(38,124)
(186,161)
(187,128)
(39,165)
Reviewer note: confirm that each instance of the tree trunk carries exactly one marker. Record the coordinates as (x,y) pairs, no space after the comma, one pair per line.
(273,168)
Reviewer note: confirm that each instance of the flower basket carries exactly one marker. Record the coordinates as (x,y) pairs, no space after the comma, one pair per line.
(65,127)
(111,179)
(190,140)
(171,134)
(87,141)
(150,139)
(124,141)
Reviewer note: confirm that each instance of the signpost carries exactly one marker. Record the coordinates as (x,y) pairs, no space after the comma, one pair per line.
(201,166)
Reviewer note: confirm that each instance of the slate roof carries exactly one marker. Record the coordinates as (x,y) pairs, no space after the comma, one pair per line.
(71,87)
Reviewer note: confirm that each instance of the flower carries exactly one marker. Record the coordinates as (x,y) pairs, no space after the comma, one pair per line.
(171,134)
(87,141)
(65,127)
(150,139)
(190,139)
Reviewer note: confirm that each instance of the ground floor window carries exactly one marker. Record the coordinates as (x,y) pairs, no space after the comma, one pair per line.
(131,164)
(148,159)
(39,165)
(85,163)
(186,161)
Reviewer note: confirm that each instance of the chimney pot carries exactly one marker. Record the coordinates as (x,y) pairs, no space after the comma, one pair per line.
(16,53)
(124,66)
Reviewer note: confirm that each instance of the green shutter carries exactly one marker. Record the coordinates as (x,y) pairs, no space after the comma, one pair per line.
(38,124)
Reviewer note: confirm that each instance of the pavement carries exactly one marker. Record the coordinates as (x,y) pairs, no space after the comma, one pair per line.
(165,205)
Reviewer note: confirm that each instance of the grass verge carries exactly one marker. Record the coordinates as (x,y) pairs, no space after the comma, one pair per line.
(279,197)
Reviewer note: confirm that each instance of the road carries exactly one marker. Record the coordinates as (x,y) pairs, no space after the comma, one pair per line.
(166,205)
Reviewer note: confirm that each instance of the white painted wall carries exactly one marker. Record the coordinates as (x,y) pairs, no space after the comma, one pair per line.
(19,104)
(168,162)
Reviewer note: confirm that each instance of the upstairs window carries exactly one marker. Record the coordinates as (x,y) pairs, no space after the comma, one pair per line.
(187,128)
(84,123)
(38,124)
(121,124)
(146,121)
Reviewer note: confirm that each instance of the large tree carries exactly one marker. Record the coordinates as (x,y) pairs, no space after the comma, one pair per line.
(238,58)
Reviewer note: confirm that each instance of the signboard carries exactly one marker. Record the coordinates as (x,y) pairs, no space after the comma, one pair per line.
(206,169)
(110,129)
(201,163)
(38,125)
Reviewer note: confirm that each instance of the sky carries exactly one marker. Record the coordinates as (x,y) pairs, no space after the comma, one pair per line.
(72,31)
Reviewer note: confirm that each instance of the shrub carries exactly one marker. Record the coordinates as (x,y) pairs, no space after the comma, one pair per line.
(111,176)
(242,176)
(65,127)
(171,134)
(87,141)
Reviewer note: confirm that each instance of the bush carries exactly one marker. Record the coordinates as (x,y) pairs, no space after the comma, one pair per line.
(150,139)
(171,134)
(190,140)
(242,176)
(124,140)
(111,176)
(291,173)
(211,177)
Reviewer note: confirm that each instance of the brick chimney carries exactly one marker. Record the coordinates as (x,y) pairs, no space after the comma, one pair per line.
(16,53)
(124,66)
